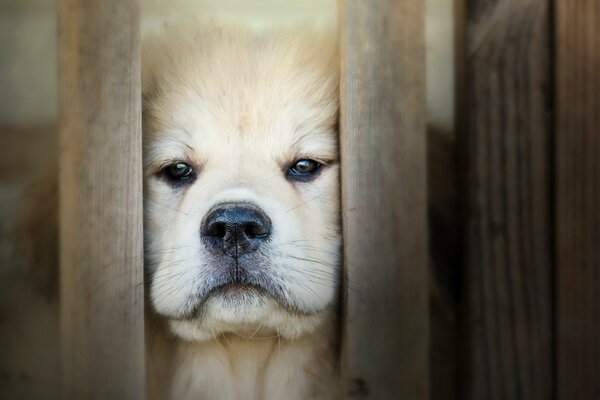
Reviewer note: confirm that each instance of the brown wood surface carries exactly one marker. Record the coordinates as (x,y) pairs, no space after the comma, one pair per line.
(578,198)
(508,326)
(101,200)
(383,153)
(26,150)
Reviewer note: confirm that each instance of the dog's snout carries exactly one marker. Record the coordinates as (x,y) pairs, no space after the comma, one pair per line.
(235,228)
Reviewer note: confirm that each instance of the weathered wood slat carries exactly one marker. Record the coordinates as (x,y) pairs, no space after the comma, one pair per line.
(508,323)
(577,149)
(101,200)
(383,153)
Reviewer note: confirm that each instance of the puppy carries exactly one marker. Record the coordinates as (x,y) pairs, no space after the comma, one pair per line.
(242,219)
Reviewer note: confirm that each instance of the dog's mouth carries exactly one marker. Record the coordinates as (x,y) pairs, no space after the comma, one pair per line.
(248,287)
(237,290)
(234,292)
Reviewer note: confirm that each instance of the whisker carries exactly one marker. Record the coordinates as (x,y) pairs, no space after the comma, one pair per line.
(304,203)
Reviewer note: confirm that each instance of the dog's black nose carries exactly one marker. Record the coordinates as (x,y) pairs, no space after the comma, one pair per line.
(235,228)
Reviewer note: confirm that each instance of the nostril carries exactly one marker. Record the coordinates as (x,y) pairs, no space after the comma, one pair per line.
(216,229)
(255,230)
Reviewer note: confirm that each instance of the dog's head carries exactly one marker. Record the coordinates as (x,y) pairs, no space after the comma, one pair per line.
(241,175)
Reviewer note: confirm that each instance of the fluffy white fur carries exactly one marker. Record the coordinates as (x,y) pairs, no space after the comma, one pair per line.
(241,107)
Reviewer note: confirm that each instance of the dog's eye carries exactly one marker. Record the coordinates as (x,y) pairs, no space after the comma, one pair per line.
(179,172)
(303,168)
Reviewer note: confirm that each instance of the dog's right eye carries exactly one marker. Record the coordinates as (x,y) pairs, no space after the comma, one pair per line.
(179,172)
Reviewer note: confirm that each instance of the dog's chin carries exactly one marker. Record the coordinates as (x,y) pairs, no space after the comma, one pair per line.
(247,312)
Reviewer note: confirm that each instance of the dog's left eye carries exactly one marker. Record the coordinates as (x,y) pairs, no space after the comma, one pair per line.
(179,172)
(303,168)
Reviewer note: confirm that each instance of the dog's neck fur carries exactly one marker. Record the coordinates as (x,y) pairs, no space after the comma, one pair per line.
(231,367)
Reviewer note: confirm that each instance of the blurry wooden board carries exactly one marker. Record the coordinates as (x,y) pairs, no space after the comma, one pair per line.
(508,270)
(577,150)
(383,160)
(101,200)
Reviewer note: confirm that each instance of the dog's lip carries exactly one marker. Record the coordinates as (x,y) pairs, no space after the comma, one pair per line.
(238,288)
(231,288)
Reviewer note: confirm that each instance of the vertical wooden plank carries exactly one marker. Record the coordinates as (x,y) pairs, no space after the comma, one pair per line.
(578,198)
(383,140)
(101,200)
(508,256)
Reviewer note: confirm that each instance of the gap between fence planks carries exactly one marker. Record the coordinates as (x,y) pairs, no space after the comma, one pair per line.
(383,156)
(508,303)
(577,191)
(102,316)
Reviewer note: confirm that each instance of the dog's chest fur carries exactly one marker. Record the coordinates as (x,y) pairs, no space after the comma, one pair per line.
(236,368)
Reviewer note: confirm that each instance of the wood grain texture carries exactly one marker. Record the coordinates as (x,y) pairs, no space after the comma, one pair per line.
(578,198)
(383,153)
(508,270)
(102,316)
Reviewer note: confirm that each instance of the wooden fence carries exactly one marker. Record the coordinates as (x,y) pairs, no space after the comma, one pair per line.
(531,181)
(526,315)
(102,302)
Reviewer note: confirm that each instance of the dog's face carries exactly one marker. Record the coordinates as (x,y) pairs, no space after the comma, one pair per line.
(241,159)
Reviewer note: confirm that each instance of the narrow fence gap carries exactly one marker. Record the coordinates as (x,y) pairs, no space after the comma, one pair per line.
(577,155)
(102,310)
(462,349)
(507,306)
(383,160)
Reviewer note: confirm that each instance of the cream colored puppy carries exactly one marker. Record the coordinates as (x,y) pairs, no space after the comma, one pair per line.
(242,212)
